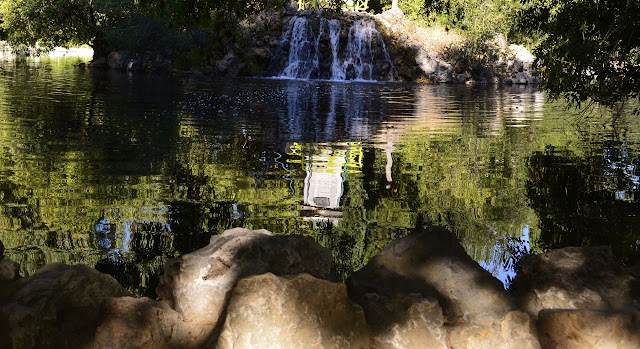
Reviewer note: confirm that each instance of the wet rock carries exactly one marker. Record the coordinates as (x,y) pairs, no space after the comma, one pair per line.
(523,78)
(433,264)
(57,307)
(515,330)
(133,65)
(444,72)
(9,270)
(267,311)
(198,284)
(98,63)
(404,322)
(574,278)
(117,60)
(589,329)
(228,65)
(139,323)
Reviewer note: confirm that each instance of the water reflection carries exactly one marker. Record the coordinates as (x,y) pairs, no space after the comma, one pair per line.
(123,172)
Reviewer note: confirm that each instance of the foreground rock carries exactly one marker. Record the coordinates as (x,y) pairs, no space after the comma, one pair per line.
(515,330)
(9,270)
(57,307)
(298,312)
(575,278)
(139,323)
(198,285)
(589,329)
(433,264)
(404,322)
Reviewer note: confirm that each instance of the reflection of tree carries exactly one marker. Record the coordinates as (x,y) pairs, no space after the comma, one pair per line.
(578,203)
(125,173)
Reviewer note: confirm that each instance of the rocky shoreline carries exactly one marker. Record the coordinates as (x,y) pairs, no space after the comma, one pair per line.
(251,289)
(428,55)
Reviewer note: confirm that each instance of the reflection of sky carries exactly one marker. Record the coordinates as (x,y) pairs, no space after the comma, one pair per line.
(618,161)
(498,269)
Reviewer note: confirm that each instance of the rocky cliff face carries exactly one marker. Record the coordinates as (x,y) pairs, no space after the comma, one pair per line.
(351,46)
(250,289)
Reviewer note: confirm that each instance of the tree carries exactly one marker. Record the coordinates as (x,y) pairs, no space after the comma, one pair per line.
(590,50)
(53,23)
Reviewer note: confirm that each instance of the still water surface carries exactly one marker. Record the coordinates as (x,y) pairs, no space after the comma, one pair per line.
(123,172)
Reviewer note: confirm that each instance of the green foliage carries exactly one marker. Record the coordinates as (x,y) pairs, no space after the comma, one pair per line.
(204,14)
(62,22)
(589,49)
(477,53)
(476,16)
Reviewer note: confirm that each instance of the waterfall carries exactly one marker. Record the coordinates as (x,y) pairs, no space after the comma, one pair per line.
(337,73)
(364,57)
(360,53)
(304,51)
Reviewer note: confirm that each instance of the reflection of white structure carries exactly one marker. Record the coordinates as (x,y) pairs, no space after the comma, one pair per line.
(323,189)
(323,186)
(326,166)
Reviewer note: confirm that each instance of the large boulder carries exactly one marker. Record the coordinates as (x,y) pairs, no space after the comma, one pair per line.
(267,311)
(57,307)
(589,329)
(198,284)
(433,264)
(574,278)
(404,322)
(139,323)
(516,330)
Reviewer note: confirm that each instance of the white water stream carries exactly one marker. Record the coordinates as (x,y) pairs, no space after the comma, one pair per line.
(356,62)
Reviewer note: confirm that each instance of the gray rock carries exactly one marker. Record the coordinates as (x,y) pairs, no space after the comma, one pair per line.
(433,264)
(426,63)
(198,285)
(444,72)
(589,329)
(574,278)
(267,311)
(516,330)
(57,307)
(404,322)
(523,78)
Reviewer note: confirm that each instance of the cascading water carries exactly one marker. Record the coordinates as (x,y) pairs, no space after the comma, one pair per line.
(304,51)
(364,57)
(337,73)
(360,53)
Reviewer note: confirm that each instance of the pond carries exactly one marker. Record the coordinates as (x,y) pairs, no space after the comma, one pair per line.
(123,171)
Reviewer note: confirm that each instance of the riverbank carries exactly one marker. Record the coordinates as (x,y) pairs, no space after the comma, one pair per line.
(345,46)
(7,52)
(253,289)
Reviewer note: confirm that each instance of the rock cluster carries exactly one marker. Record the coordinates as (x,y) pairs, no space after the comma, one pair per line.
(250,289)
(125,61)
(432,55)
(417,53)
